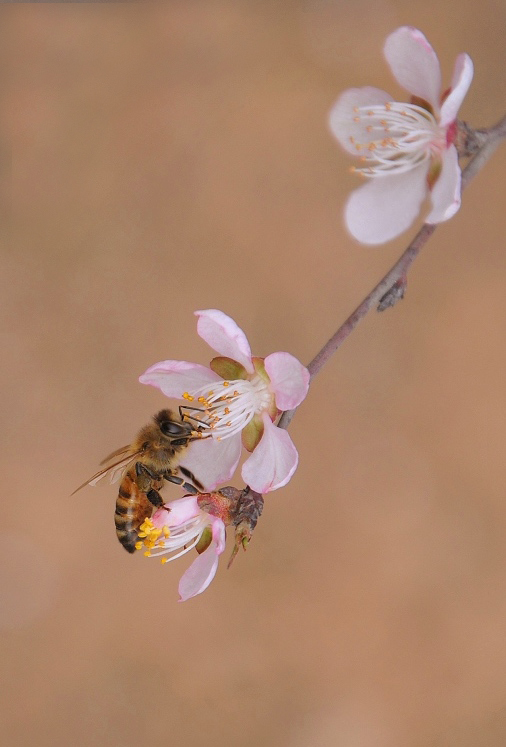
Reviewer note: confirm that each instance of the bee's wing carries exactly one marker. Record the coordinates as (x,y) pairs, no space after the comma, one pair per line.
(124,451)
(114,470)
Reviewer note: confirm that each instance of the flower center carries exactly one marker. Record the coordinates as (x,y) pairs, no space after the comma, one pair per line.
(229,406)
(164,541)
(403,136)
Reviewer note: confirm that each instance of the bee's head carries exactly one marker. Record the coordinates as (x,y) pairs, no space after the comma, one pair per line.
(171,427)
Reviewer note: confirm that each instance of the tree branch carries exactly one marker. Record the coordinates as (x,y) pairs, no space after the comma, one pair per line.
(392,285)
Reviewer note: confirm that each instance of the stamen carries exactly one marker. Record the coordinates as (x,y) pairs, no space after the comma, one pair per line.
(227,414)
(413,138)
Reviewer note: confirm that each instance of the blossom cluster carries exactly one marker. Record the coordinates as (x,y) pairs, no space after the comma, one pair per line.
(234,401)
(406,152)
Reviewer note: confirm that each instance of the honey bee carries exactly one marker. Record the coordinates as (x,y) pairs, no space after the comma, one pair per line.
(144,465)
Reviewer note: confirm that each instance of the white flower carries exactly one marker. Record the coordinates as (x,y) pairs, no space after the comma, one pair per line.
(178,528)
(406,149)
(235,401)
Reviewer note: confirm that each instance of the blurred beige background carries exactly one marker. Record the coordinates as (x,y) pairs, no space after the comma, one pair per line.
(167,158)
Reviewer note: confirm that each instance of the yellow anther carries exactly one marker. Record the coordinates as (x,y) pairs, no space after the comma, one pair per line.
(355,108)
(236,393)
(228,424)
(356,119)
(226,383)
(138,545)
(369,128)
(226,410)
(372,146)
(388,106)
(164,560)
(147,554)
(166,531)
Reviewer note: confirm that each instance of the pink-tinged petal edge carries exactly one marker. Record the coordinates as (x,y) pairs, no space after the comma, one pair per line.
(386,206)
(213,462)
(274,460)
(343,126)
(219,534)
(289,379)
(462,78)
(199,575)
(175,377)
(181,510)
(414,64)
(224,336)
(445,193)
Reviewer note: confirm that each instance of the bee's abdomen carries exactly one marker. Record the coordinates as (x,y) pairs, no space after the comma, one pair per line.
(132,507)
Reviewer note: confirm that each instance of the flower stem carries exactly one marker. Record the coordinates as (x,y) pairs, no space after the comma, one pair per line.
(397,274)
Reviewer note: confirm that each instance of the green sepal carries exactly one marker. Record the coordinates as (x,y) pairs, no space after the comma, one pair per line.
(417,101)
(434,172)
(228,369)
(258,364)
(252,433)
(205,540)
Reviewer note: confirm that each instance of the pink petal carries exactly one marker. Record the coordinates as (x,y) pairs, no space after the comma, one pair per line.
(213,462)
(199,575)
(274,460)
(176,377)
(386,206)
(462,77)
(343,114)
(414,64)
(289,379)
(224,336)
(181,511)
(445,193)
(219,534)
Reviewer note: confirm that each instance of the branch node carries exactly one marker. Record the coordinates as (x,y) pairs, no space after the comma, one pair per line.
(394,294)
(468,141)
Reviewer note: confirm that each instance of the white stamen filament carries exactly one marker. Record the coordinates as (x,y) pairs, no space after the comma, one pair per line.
(186,536)
(409,136)
(230,405)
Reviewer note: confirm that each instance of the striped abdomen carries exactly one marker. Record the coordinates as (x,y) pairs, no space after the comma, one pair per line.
(132,507)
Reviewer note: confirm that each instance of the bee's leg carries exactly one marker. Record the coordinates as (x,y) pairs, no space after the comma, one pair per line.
(179,481)
(155,498)
(142,470)
(191,476)
(145,479)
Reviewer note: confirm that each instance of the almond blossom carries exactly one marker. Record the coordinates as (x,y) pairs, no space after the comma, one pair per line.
(234,402)
(177,528)
(407,149)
